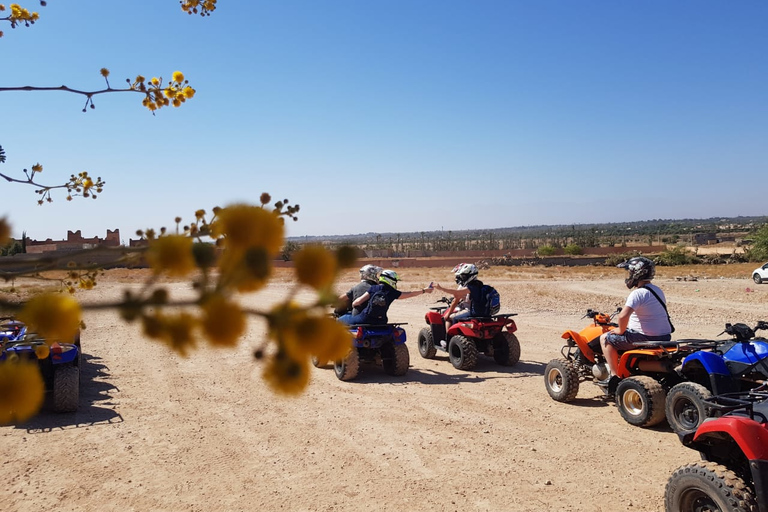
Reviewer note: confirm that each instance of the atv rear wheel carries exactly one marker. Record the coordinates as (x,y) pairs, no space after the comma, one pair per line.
(462,352)
(395,359)
(685,406)
(347,368)
(561,380)
(506,349)
(640,401)
(66,388)
(707,486)
(426,343)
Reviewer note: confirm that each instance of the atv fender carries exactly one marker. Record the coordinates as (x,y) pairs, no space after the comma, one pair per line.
(581,342)
(712,363)
(748,352)
(63,353)
(748,434)
(434,318)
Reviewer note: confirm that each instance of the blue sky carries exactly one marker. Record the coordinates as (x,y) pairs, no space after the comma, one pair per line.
(396,115)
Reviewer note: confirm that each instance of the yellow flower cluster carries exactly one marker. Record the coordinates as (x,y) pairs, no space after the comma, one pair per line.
(204,7)
(300,335)
(156,96)
(221,321)
(20,15)
(22,391)
(55,316)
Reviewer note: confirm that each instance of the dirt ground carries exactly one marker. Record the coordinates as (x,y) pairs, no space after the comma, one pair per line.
(159,432)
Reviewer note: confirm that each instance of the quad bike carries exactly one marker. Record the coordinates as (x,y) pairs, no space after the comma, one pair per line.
(733,475)
(646,372)
(60,369)
(728,366)
(378,344)
(493,336)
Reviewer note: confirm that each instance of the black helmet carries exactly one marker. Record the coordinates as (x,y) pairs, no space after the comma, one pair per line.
(640,269)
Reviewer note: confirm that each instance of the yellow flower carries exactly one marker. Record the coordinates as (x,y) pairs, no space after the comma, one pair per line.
(21,391)
(287,375)
(322,337)
(104,72)
(245,271)
(55,316)
(155,81)
(175,330)
(37,168)
(188,92)
(315,266)
(223,321)
(244,226)
(42,351)
(178,76)
(171,254)
(5,231)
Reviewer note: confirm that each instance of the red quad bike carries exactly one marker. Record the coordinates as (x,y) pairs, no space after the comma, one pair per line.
(733,473)
(493,336)
(647,371)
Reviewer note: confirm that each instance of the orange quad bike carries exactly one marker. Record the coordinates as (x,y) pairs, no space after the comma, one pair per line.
(647,371)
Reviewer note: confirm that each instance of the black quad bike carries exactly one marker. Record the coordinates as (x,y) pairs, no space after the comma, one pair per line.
(494,336)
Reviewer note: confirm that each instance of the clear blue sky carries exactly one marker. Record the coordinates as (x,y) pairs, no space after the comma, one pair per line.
(455,114)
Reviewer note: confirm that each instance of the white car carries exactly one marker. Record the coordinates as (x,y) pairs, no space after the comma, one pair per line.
(760,275)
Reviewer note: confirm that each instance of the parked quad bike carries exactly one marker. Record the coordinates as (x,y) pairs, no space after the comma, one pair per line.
(733,473)
(727,366)
(494,336)
(60,369)
(646,372)
(374,344)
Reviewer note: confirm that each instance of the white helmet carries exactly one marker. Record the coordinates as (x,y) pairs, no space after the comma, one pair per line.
(389,277)
(465,273)
(370,273)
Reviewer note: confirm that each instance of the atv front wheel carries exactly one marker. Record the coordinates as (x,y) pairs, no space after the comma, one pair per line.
(561,380)
(395,359)
(462,352)
(426,343)
(506,349)
(347,368)
(640,401)
(707,486)
(66,388)
(685,406)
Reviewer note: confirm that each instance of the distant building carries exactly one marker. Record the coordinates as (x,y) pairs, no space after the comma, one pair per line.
(74,242)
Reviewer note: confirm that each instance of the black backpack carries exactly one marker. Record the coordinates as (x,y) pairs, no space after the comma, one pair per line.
(377,306)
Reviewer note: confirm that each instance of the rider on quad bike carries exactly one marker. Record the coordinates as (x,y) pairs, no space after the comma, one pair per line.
(478,328)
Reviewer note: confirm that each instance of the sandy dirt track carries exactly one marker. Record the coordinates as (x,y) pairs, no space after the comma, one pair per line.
(159,432)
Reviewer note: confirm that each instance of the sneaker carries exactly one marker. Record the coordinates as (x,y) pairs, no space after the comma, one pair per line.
(610,384)
(443,344)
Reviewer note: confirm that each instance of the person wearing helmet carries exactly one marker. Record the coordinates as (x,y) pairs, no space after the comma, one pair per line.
(643,318)
(467,298)
(375,302)
(369,276)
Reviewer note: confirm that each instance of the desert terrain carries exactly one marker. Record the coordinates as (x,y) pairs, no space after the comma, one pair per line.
(163,433)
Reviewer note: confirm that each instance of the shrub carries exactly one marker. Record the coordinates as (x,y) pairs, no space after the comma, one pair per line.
(573,249)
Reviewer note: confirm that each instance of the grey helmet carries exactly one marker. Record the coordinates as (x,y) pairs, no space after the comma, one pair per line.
(370,273)
(640,269)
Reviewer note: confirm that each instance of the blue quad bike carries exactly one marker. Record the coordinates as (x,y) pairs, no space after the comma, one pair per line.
(375,344)
(722,366)
(60,370)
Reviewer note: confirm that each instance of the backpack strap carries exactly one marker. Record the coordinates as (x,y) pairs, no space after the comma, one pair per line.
(672,327)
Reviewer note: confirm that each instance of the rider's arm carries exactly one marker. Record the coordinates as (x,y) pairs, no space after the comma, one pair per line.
(408,295)
(361,300)
(623,320)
